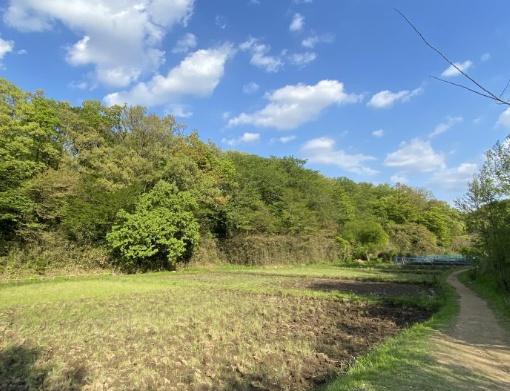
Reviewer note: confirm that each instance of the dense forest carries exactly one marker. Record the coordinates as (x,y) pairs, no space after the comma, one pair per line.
(97,186)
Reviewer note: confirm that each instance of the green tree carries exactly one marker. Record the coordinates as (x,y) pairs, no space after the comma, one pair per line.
(366,237)
(161,231)
(487,205)
(30,142)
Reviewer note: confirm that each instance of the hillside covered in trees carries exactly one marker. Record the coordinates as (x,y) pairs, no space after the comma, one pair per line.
(116,186)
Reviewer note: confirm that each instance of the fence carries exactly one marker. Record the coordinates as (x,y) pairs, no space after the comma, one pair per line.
(448,260)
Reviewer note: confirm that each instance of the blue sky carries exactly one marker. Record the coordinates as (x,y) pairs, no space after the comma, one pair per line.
(343,84)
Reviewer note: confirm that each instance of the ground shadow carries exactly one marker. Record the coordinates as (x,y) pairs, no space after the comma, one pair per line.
(368,287)
(20,371)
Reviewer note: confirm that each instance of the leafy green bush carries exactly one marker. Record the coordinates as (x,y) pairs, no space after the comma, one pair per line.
(161,231)
(367,238)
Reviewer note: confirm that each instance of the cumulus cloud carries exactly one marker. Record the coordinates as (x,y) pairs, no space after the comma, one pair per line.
(386,99)
(179,111)
(283,139)
(452,71)
(311,41)
(415,155)
(323,150)
(250,88)
(120,38)
(302,59)
(293,105)
(197,75)
(504,119)
(445,126)
(260,55)
(378,133)
(187,42)
(456,178)
(5,47)
(297,23)
(246,138)
(398,178)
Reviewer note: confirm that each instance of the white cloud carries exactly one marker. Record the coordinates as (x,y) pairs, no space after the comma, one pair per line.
(250,88)
(197,75)
(293,105)
(302,59)
(297,23)
(220,21)
(283,139)
(322,151)
(456,178)
(260,57)
(451,71)
(399,178)
(246,138)
(5,47)
(179,111)
(415,155)
(185,44)
(314,39)
(386,99)
(504,119)
(120,38)
(378,133)
(485,57)
(446,125)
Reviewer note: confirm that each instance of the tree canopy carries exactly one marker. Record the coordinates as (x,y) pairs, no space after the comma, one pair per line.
(139,184)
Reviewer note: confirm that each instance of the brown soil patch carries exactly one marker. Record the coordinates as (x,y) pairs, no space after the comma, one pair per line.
(389,289)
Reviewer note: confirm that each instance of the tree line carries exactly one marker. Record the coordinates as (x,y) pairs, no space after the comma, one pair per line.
(487,208)
(135,190)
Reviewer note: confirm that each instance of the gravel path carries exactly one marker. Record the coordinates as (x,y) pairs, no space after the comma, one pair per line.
(477,348)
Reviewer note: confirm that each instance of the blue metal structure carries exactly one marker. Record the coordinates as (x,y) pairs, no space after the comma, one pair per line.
(443,260)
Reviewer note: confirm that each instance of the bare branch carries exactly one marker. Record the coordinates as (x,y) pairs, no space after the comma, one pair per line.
(485,92)
(504,89)
(463,86)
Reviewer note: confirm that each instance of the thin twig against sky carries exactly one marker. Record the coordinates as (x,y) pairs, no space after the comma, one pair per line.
(483,91)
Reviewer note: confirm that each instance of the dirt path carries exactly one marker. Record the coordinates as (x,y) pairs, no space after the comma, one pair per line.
(476,350)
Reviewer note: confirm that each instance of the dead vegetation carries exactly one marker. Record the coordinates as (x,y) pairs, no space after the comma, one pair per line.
(194,336)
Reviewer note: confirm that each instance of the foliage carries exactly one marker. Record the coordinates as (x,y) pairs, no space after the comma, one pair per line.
(69,171)
(412,239)
(367,238)
(160,231)
(487,205)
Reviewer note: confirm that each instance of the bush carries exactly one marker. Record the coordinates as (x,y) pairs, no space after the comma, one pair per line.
(279,249)
(367,238)
(161,231)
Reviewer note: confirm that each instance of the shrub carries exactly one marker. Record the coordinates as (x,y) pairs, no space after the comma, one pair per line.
(367,238)
(161,231)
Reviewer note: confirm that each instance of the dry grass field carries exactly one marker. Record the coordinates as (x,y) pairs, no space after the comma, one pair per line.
(203,329)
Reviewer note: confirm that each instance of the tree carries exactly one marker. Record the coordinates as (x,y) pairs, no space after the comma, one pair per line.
(412,239)
(487,205)
(161,231)
(30,143)
(366,237)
